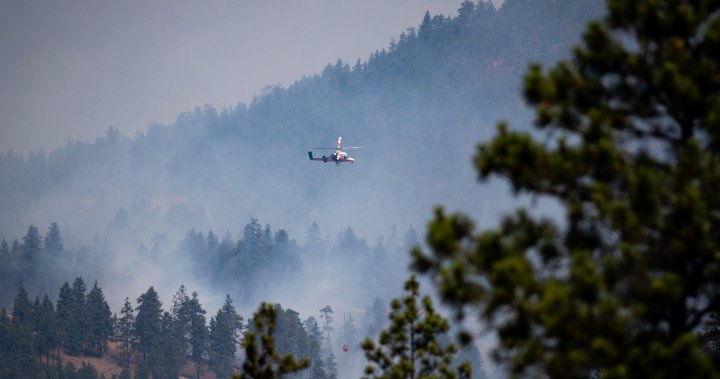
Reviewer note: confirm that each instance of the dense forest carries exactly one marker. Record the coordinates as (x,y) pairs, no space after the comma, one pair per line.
(169,207)
(416,106)
(149,341)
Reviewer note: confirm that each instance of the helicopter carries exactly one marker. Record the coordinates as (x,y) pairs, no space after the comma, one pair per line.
(339,156)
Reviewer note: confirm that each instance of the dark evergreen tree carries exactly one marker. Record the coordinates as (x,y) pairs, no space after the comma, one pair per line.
(98,322)
(32,244)
(76,331)
(4,343)
(53,242)
(628,144)
(410,346)
(20,351)
(65,312)
(253,236)
(181,325)
(290,336)
(225,330)
(261,358)
(48,336)
(148,323)
(125,332)
(199,336)
(165,359)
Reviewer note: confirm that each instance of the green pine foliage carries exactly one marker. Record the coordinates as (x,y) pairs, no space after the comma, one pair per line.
(627,136)
(410,347)
(98,322)
(262,361)
(125,332)
(225,329)
(148,323)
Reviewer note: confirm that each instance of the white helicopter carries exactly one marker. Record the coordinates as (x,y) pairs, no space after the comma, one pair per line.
(339,156)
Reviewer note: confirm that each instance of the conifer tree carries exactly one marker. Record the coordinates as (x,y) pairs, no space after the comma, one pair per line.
(410,346)
(325,314)
(32,244)
(148,323)
(53,242)
(629,134)
(224,337)
(48,329)
(76,331)
(65,312)
(125,331)
(20,346)
(199,336)
(4,342)
(98,321)
(261,359)
(166,357)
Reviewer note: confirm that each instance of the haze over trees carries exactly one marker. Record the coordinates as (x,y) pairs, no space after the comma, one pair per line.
(414,105)
(614,273)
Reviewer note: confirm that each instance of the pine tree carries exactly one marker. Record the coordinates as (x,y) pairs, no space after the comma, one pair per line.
(290,336)
(165,358)
(199,336)
(181,326)
(4,343)
(325,314)
(125,331)
(261,359)
(53,242)
(629,134)
(224,337)
(48,334)
(98,321)
(32,244)
(76,331)
(20,346)
(148,323)
(65,312)
(410,346)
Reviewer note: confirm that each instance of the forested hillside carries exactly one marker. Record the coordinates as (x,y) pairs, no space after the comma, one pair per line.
(417,107)
(146,339)
(169,207)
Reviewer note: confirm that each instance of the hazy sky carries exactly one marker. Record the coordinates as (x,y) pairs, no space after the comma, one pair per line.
(70,69)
